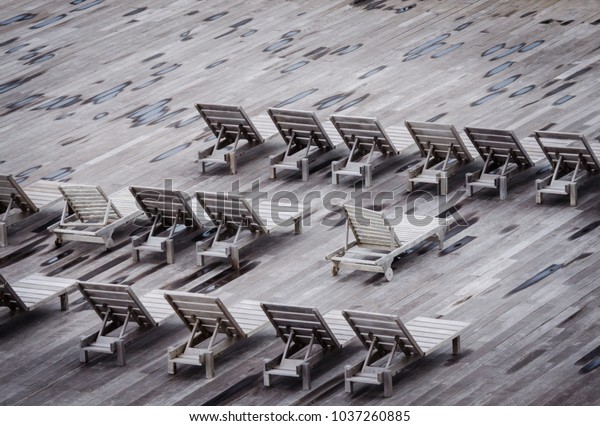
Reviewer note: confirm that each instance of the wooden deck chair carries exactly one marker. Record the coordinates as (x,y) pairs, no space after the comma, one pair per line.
(392,345)
(230,125)
(168,210)
(17,203)
(213,328)
(90,215)
(363,136)
(376,242)
(572,160)
(123,316)
(233,214)
(308,338)
(33,290)
(504,157)
(444,152)
(305,138)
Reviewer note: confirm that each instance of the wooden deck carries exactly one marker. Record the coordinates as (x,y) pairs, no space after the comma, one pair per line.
(103,93)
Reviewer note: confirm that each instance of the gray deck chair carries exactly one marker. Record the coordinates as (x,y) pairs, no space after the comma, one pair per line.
(308,338)
(572,161)
(168,210)
(377,242)
(230,125)
(504,157)
(213,328)
(95,216)
(363,136)
(18,203)
(392,345)
(123,316)
(305,138)
(29,292)
(444,152)
(233,214)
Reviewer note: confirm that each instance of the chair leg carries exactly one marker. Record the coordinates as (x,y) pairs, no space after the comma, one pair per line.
(469,178)
(443,185)
(171,367)
(64,302)
(233,163)
(456,346)
(209,365)
(335,178)
(273,173)
(83,355)
(3,235)
(298,226)
(410,185)
(135,255)
(368,175)
(538,197)
(503,186)
(387,384)
(201,166)
(170,249)
(120,353)
(304,168)
(305,372)
(266,376)
(235,258)
(573,194)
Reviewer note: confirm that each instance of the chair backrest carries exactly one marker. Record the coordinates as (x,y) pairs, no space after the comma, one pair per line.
(366,131)
(89,203)
(116,300)
(386,330)
(370,228)
(439,137)
(570,146)
(11,190)
(230,118)
(194,308)
(173,206)
(304,125)
(501,143)
(304,322)
(232,209)
(8,297)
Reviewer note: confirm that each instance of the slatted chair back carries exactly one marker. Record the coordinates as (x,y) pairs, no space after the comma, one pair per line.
(382,332)
(503,144)
(9,298)
(437,139)
(231,210)
(174,207)
(89,203)
(118,302)
(203,314)
(11,194)
(227,121)
(301,128)
(370,228)
(305,323)
(366,132)
(571,148)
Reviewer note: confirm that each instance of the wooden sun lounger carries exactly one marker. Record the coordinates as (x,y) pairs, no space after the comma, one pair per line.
(504,157)
(377,243)
(95,216)
(230,124)
(18,203)
(167,209)
(572,160)
(444,152)
(232,214)
(213,328)
(392,345)
(33,290)
(363,136)
(118,307)
(308,338)
(305,138)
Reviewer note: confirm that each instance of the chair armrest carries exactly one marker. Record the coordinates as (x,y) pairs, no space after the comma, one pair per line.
(276,159)
(542,183)
(415,170)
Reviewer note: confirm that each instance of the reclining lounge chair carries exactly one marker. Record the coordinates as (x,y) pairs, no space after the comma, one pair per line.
(392,345)
(30,292)
(168,210)
(308,337)
(444,153)
(504,157)
(17,203)
(213,328)
(305,138)
(376,242)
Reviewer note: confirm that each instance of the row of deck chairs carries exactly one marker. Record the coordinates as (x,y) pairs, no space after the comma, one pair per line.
(308,336)
(440,145)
